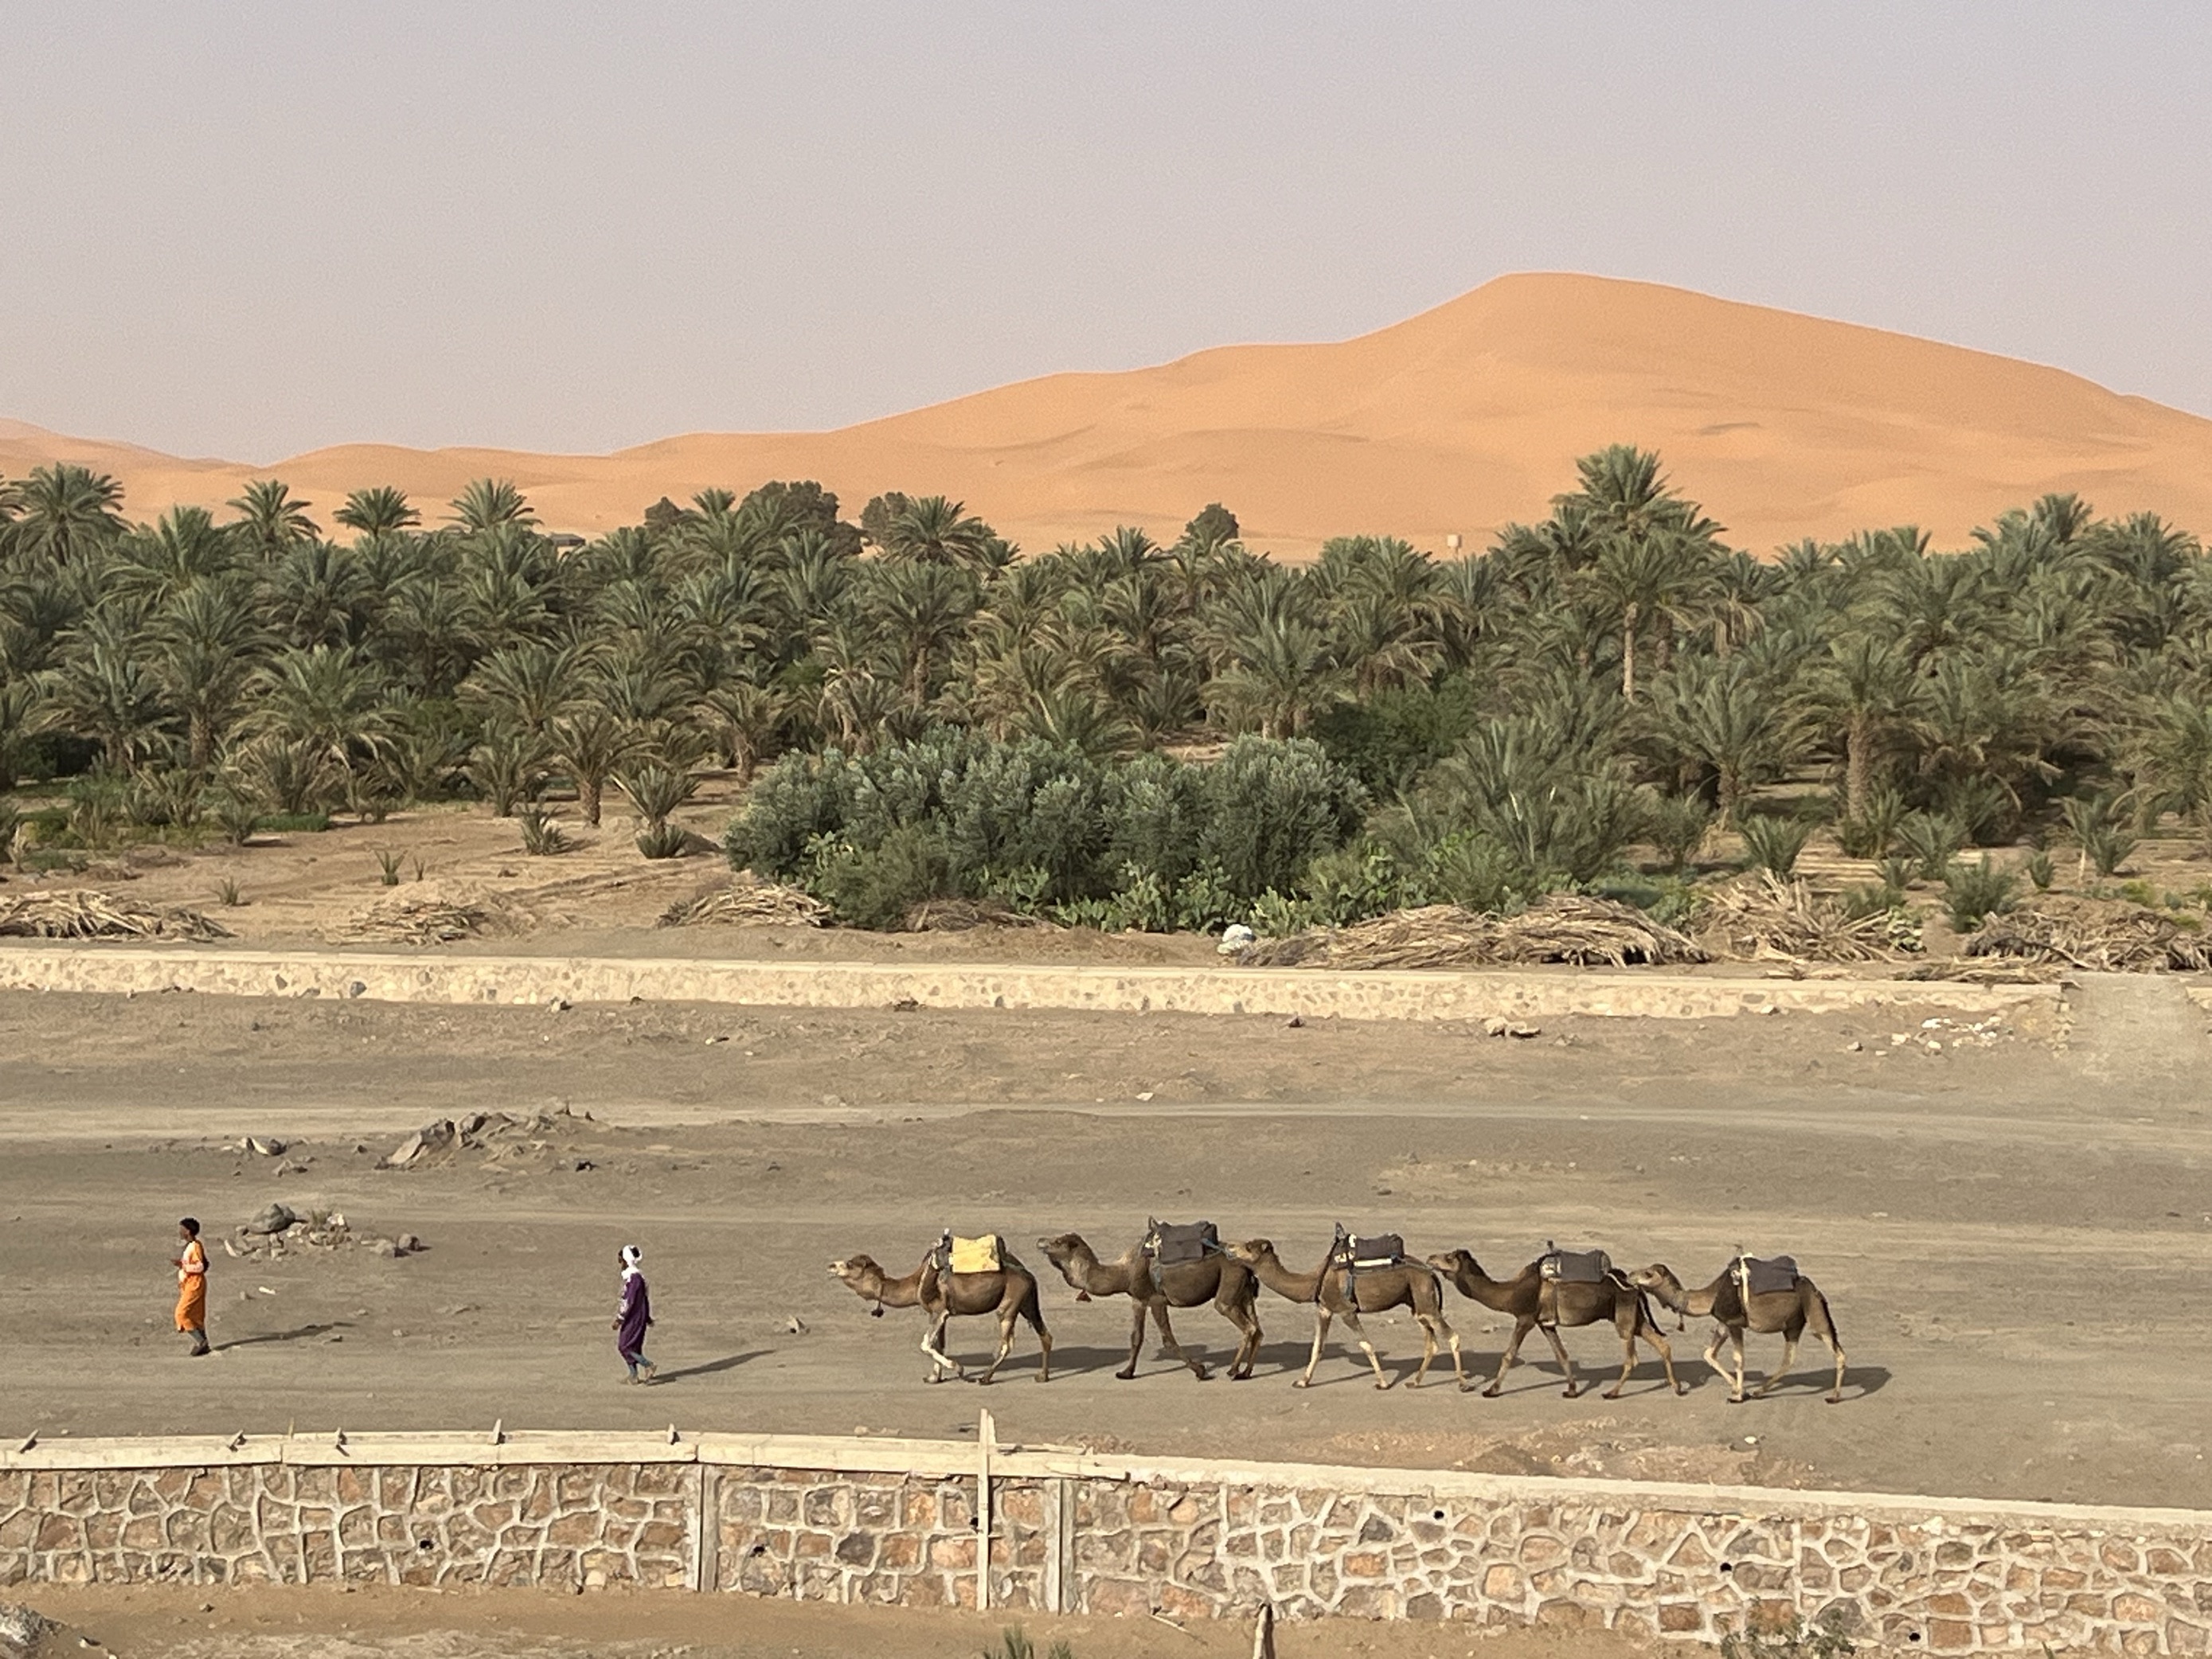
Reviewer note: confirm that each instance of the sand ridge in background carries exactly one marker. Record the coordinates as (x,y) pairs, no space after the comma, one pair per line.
(1457,420)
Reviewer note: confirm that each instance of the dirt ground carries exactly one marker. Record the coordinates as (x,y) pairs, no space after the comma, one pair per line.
(1999,1220)
(183,1622)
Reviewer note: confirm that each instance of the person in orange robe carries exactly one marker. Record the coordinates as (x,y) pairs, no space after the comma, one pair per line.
(191,1265)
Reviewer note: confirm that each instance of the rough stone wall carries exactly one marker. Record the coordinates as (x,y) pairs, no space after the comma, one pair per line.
(869,1522)
(1199,1552)
(386,978)
(603,1524)
(903,1540)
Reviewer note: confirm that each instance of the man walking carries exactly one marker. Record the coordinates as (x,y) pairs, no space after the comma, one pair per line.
(632,1315)
(191,1265)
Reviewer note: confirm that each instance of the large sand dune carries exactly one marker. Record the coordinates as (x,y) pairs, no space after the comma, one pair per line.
(1456,420)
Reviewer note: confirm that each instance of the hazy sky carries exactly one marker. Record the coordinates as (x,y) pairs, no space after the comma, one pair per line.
(250,230)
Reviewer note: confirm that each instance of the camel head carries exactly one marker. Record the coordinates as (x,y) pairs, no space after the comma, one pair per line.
(1064,1249)
(1452,1263)
(859,1273)
(1252,1251)
(1659,1279)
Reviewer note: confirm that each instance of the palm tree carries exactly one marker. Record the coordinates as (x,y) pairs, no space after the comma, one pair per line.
(491,503)
(746,718)
(382,510)
(1727,718)
(327,698)
(202,656)
(107,690)
(1278,677)
(590,744)
(269,519)
(1860,697)
(70,513)
(935,531)
(184,548)
(922,608)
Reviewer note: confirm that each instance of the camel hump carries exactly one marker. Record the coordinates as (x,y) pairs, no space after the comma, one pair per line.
(1169,1243)
(1574,1267)
(1764,1276)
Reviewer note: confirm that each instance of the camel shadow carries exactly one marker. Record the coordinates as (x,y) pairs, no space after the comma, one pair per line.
(299,1334)
(1346,1363)
(728,1362)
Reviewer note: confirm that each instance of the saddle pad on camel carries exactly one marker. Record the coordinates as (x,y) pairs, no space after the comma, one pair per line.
(1374,1249)
(1171,1241)
(1763,1278)
(1575,1267)
(976,1255)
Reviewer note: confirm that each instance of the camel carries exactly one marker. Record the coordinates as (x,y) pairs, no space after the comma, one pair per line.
(1156,1287)
(1537,1304)
(1792,1312)
(1011,1294)
(1339,1292)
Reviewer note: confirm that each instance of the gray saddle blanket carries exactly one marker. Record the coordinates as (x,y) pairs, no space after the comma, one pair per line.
(1575,1267)
(1763,1278)
(1169,1243)
(1370,1250)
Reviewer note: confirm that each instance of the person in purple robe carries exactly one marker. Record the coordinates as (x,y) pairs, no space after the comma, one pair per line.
(632,1315)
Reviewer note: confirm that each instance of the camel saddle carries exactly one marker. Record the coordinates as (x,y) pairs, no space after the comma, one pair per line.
(968,1255)
(1171,1242)
(1367,1250)
(1755,1276)
(1574,1266)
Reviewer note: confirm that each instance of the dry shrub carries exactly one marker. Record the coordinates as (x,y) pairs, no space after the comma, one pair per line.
(1567,928)
(86,913)
(746,902)
(961,915)
(2100,935)
(425,914)
(1764,918)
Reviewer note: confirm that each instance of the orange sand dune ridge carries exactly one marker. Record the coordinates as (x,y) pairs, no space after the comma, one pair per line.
(1457,420)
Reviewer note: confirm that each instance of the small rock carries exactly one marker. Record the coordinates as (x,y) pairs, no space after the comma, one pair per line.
(795,1326)
(557,1004)
(273,1218)
(1144,1095)
(405,1153)
(263,1147)
(1295,1023)
(1524,1032)
(1853,1046)
(21,1630)
(410,1242)
(905,1006)
(1496,1027)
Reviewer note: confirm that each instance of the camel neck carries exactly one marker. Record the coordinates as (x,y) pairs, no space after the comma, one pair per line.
(1298,1287)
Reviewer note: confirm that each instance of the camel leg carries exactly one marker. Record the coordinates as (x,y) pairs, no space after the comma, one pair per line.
(1666,1355)
(1789,1358)
(1321,1335)
(1247,1344)
(1175,1346)
(1567,1362)
(1007,1317)
(1713,1354)
(1627,1364)
(1044,1354)
(1136,1340)
(1735,1377)
(1507,1360)
(1428,1349)
(1451,1335)
(932,1343)
(1374,1359)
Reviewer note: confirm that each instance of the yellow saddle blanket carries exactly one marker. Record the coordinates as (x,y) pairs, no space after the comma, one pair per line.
(976,1255)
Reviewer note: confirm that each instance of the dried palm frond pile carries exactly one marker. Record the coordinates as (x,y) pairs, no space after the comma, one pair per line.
(2101,935)
(426,917)
(85,913)
(759,903)
(959,915)
(1764,918)
(1567,928)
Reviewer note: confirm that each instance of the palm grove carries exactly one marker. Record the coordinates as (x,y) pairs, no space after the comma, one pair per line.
(921,713)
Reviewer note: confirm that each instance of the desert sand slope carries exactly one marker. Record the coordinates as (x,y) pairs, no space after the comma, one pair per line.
(1458,419)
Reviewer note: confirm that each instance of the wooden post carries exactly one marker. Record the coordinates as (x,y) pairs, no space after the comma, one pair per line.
(1060,1595)
(985,1435)
(1263,1633)
(706,1544)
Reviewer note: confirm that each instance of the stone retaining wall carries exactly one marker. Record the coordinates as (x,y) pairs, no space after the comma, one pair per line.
(930,1523)
(398,977)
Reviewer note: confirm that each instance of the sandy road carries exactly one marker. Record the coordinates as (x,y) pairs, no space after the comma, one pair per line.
(1998,1224)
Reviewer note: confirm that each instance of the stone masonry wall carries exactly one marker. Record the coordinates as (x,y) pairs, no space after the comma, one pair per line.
(274,1524)
(386,976)
(893,1521)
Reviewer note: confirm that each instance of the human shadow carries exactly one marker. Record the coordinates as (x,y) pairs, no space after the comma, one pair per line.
(299,1334)
(728,1362)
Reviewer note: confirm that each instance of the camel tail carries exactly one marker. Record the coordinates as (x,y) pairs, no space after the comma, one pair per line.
(1835,1336)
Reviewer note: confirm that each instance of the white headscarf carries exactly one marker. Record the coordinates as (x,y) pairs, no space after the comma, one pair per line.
(630,1257)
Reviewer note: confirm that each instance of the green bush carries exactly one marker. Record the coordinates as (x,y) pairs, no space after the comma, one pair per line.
(878,887)
(1679,826)
(1930,843)
(1045,827)
(1869,833)
(1773,844)
(1972,891)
